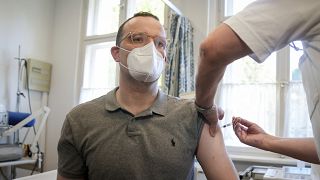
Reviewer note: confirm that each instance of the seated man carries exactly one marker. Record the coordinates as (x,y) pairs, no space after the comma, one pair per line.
(136,131)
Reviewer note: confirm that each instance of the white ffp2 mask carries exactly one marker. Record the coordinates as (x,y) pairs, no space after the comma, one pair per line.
(145,63)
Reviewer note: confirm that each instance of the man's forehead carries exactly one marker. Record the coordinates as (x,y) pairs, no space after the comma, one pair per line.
(145,24)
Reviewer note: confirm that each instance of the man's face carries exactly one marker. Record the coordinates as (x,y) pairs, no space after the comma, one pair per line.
(140,31)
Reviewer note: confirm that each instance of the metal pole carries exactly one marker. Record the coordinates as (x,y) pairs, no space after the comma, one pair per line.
(19,94)
(19,76)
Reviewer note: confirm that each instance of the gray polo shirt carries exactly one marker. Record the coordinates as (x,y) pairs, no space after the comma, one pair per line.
(101,140)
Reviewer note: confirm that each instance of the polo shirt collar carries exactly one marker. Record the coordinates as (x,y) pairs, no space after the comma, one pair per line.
(111,101)
(160,106)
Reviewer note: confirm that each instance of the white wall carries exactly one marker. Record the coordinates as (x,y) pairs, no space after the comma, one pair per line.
(28,24)
(65,52)
(47,30)
(25,23)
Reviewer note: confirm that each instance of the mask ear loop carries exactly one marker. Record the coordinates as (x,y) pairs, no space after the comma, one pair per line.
(123,49)
(119,60)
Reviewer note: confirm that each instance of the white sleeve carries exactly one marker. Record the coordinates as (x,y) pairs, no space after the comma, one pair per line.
(269,25)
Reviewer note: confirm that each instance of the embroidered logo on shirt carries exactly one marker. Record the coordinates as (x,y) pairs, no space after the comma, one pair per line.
(172,142)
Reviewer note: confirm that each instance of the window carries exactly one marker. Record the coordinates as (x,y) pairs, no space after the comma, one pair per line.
(270,94)
(231,7)
(103,17)
(248,90)
(100,71)
(297,122)
(156,7)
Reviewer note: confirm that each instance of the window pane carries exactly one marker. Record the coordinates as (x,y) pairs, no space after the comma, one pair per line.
(297,123)
(295,74)
(254,102)
(103,17)
(248,90)
(234,6)
(99,71)
(155,7)
(246,70)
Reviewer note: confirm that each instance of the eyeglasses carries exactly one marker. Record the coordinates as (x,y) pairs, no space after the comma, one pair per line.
(142,39)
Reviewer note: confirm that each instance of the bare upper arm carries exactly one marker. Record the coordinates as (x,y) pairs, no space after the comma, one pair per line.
(213,157)
(224,45)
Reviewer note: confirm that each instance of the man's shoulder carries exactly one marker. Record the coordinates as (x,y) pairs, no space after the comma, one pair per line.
(180,101)
(180,104)
(89,106)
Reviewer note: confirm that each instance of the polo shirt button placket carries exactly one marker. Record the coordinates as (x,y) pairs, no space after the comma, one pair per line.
(131,128)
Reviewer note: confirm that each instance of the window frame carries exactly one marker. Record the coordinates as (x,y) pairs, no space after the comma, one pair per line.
(87,40)
(282,83)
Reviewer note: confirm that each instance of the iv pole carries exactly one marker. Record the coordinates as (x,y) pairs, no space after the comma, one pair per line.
(19,92)
(21,62)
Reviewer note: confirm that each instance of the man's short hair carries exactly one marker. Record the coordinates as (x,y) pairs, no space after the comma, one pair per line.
(139,14)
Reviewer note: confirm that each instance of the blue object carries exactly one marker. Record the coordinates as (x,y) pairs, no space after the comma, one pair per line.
(16,117)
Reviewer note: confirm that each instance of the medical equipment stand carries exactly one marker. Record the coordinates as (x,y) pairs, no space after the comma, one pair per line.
(21,62)
(34,148)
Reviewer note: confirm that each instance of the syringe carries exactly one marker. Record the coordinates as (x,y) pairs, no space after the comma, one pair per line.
(226,125)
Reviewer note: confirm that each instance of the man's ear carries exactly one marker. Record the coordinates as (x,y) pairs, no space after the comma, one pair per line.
(115,53)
